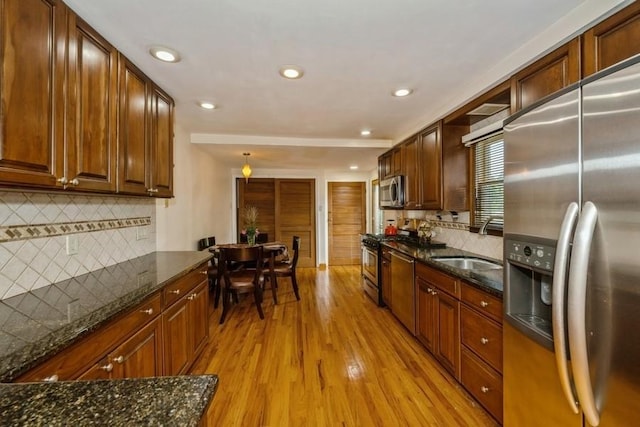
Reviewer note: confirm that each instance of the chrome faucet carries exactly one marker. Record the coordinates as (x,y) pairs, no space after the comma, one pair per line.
(483,227)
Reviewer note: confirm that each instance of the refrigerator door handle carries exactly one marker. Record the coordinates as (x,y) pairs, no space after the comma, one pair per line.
(577,311)
(558,303)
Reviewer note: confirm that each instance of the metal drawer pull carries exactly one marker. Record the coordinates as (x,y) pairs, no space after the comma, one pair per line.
(484,340)
(175,292)
(484,389)
(191,297)
(107,368)
(148,311)
(484,303)
(203,272)
(51,379)
(119,359)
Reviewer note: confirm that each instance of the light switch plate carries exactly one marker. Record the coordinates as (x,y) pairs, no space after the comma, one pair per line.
(72,244)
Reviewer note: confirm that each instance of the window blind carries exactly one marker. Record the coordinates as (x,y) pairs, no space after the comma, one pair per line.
(489,180)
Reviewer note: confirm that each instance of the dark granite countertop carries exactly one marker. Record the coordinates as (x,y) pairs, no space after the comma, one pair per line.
(40,323)
(163,401)
(489,281)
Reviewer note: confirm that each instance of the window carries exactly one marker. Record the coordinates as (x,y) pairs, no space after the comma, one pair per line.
(489,180)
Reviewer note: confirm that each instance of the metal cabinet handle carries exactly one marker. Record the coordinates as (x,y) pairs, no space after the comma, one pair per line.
(152,190)
(108,367)
(147,311)
(175,292)
(558,304)
(484,340)
(63,180)
(191,297)
(484,303)
(119,359)
(204,272)
(75,181)
(484,389)
(51,379)
(576,311)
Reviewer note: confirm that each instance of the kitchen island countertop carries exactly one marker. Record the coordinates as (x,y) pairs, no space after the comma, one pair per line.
(163,401)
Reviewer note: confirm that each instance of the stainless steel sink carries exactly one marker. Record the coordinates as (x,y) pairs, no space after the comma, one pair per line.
(468,263)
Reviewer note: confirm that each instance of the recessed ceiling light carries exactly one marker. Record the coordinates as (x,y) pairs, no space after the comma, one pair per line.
(365,132)
(207,105)
(353,167)
(291,72)
(402,92)
(164,54)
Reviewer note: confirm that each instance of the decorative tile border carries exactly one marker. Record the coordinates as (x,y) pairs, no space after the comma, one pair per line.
(450,225)
(33,231)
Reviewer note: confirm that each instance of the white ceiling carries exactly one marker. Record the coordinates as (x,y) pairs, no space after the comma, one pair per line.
(353,52)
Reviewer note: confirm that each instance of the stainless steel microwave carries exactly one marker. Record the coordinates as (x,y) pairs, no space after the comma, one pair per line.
(392,192)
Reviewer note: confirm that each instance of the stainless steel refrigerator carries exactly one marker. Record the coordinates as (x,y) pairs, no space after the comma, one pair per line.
(572,256)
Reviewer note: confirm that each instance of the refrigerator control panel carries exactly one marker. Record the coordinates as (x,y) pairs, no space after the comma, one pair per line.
(535,255)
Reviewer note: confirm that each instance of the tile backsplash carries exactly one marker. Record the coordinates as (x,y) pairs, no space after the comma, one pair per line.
(34,228)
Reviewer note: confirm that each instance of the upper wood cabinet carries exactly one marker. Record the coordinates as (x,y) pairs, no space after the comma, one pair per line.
(92,110)
(422,168)
(32,82)
(145,139)
(455,168)
(611,41)
(553,72)
(390,163)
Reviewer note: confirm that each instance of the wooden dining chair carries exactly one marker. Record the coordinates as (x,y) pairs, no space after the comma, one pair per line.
(287,268)
(213,271)
(241,280)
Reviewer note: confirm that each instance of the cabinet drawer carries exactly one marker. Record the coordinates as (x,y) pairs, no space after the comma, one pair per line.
(482,335)
(441,280)
(76,360)
(176,290)
(482,382)
(483,302)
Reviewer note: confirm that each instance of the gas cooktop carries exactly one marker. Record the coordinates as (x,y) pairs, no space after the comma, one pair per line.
(403,237)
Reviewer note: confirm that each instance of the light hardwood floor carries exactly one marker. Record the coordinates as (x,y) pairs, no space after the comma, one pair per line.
(332,358)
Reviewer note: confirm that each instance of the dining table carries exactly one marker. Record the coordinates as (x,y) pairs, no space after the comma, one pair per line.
(272,249)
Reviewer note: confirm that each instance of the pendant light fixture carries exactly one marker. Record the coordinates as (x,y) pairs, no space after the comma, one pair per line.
(246,169)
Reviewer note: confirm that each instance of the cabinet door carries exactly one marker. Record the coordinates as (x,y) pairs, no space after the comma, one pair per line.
(91,137)
(396,161)
(430,169)
(448,333)
(410,170)
(141,355)
(199,315)
(32,80)
(161,163)
(386,282)
(133,134)
(426,314)
(177,342)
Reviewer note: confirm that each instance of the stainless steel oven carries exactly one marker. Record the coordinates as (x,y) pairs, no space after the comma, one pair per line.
(370,268)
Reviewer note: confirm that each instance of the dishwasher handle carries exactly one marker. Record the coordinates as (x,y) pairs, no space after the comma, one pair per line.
(402,257)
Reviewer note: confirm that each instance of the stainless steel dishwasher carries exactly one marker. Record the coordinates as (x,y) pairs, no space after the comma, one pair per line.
(403,290)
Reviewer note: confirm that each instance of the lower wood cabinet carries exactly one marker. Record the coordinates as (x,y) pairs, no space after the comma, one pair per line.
(386,277)
(152,339)
(437,316)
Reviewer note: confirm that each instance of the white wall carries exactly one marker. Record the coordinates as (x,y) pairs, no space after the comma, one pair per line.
(203,201)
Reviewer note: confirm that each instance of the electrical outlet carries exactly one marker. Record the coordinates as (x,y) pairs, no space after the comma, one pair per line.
(142,233)
(72,244)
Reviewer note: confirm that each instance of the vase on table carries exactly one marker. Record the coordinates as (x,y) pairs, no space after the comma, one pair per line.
(251,238)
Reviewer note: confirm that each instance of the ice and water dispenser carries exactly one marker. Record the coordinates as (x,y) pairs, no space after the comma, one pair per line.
(528,286)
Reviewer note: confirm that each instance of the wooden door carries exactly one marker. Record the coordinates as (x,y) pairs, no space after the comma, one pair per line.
(91,138)
(410,171)
(32,81)
(430,169)
(347,220)
(177,342)
(426,314)
(261,193)
(296,216)
(141,355)
(199,318)
(448,333)
(161,152)
(133,134)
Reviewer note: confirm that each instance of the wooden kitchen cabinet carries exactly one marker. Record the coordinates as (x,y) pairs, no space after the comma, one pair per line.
(141,355)
(32,92)
(438,316)
(390,163)
(481,339)
(386,277)
(186,331)
(547,75)
(145,140)
(612,40)
(422,168)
